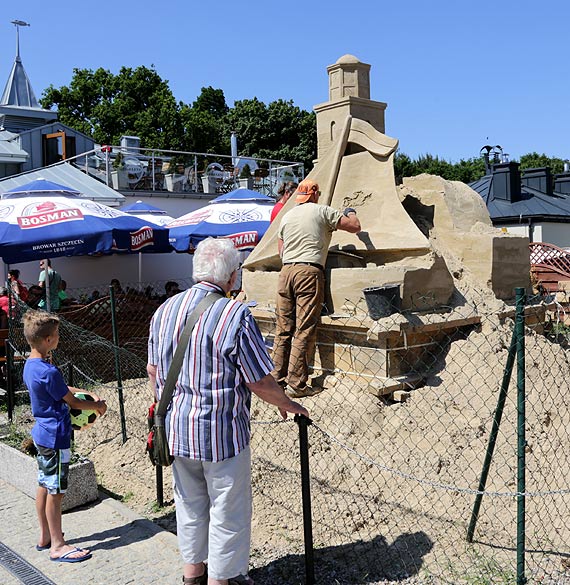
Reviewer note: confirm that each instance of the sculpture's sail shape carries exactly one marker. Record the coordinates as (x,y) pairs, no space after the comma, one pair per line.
(357,171)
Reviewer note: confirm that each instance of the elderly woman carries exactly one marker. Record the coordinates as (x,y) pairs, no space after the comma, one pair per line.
(208,419)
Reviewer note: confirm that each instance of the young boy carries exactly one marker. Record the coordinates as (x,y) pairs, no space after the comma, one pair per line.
(50,397)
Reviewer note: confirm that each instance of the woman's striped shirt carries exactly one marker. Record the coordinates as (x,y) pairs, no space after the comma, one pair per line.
(208,418)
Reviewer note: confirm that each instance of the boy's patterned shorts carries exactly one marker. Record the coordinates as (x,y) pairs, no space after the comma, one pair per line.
(53,465)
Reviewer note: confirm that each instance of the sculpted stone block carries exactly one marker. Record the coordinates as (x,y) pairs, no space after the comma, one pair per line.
(459,222)
(428,274)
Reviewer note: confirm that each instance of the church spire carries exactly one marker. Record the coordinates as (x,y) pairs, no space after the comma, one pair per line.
(18,90)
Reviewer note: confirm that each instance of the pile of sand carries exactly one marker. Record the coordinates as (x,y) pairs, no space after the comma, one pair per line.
(388,475)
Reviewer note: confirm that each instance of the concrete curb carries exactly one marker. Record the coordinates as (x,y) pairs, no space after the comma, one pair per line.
(21,471)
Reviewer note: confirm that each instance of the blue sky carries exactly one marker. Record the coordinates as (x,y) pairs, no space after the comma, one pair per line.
(456,74)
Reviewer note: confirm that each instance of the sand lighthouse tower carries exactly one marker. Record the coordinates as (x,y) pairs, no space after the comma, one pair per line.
(349,95)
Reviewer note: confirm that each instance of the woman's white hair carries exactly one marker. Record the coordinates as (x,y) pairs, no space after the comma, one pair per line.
(214,260)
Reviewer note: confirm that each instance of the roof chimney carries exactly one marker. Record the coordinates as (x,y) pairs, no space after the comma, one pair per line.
(506,184)
(562,181)
(539,179)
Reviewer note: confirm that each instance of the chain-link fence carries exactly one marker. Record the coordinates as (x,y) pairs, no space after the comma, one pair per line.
(397,446)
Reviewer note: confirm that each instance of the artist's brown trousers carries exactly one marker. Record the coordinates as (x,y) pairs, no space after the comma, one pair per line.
(300,296)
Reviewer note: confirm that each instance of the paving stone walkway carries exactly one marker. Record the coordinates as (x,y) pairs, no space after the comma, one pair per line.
(126,548)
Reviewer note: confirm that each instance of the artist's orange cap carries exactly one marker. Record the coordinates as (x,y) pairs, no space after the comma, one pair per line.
(305,189)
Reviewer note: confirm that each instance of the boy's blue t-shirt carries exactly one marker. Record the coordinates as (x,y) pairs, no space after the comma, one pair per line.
(47,389)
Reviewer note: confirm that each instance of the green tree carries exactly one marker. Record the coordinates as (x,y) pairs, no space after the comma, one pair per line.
(469,170)
(403,166)
(204,123)
(212,101)
(203,132)
(279,130)
(106,106)
(138,102)
(248,119)
(466,170)
(533,160)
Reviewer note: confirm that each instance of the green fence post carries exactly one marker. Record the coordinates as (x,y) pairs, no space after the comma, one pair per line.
(521,439)
(493,435)
(118,362)
(71,382)
(70,374)
(10,391)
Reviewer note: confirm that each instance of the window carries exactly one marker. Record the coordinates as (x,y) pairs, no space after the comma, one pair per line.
(57,147)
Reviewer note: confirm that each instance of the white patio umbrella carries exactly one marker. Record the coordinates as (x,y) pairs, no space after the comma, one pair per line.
(241,215)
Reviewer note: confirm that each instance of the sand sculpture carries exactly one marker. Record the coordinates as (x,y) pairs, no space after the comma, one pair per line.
(355,167)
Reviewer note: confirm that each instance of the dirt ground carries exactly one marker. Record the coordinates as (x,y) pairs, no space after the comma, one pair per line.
(392,483)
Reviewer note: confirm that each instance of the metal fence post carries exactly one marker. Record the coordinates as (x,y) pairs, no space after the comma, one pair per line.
(493,435)
(70,382)
(107,165)
(11,395)
(70,372)
(159,486)
(118,362)
(303,423)
(521,442)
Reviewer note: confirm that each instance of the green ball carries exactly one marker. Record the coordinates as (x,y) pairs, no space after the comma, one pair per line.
(82,419)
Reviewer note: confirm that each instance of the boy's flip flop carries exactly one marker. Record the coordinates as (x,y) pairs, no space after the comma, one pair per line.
(68,559)
(46,546)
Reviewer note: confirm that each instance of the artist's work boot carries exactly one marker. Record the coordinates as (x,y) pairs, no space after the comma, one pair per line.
(304,392)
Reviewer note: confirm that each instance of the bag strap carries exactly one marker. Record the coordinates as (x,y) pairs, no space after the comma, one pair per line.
(178,357)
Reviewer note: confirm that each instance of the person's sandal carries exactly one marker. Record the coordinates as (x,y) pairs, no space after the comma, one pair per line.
(201,580)
(241,580)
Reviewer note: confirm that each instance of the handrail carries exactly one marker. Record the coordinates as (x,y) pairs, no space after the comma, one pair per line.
(154,175)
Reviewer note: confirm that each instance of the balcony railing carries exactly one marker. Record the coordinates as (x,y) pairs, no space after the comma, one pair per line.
(154,170)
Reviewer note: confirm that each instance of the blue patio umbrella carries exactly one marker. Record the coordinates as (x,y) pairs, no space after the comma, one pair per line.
(242,194)
(142,207)
(46,220)
(148,212)
(241,215)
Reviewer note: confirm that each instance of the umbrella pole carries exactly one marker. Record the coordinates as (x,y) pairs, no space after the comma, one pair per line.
(140,270)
